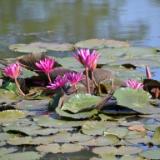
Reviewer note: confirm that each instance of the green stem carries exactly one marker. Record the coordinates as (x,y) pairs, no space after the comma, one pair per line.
(93,79)
(18,87)
(49,78)
(87,81)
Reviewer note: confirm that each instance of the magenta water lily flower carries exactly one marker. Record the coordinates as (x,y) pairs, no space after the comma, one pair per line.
(46,65)
(134,84)
(59,82)
(73,77)
(13,71)
(89,61)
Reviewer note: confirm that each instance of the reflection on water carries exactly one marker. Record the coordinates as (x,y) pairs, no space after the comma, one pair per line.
(24,21)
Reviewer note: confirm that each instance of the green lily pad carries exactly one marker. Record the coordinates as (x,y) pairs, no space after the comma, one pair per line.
(53,46)
(102,141)
(11,115)
(123,150)
(27,73)
(100,43)
(120,132)
(30,140)
(81,102)
(81,115)
(94,127)
(29,155)
(25,48)
(66,137)
(70,63)
(56,148)
(137,100)
(156,136)
(46,121)
(129,157)
(4,151)
(151,154)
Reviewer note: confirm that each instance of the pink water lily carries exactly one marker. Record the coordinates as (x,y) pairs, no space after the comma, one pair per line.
(134,84)
(46,65)
(13,71)
(59,82)
(89,60)
(73,77)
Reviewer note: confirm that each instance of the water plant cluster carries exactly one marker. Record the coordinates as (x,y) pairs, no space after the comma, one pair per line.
(54,107)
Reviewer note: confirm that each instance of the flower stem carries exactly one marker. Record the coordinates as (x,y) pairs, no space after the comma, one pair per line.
(87,81)
(49,78)
(18,87)
(93,79)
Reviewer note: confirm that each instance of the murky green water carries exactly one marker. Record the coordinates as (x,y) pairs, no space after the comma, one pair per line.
(24,21)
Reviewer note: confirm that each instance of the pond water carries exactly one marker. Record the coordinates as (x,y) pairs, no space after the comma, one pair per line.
(24,21)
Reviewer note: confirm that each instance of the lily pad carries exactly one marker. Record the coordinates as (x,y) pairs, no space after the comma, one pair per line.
(29,155)
(94,127)
(151,154)
(123,150)
(11,115)
(4,151)
(66,137)
(53,46)
(24,48)
(156,136)
(81,102)
(120,132)
(81,115)
(100,43)
(46,121)
(102,141)
(137,100)
(56,148)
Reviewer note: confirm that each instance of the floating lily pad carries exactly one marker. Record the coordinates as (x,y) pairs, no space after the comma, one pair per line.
(56,148)
(66,137)
(120,132)
(94,127)
(81,102)
(137,100)
(27,73)
(70,63)
(151,154)
(81,115)
(46,121)
(100,43)
(4,151)
(30,140)
(156,136)
(30,155)
(25,48)
(129,157)
(11,115)
(123,150)
(32,105)
(102,141)
(53,46)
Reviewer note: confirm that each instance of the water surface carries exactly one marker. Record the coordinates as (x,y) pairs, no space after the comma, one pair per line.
(24,21)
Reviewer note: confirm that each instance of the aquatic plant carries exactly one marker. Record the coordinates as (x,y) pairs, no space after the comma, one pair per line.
(59,82)
(134,84)
(13,71)
(73,78)
(46,65)
(89,60)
